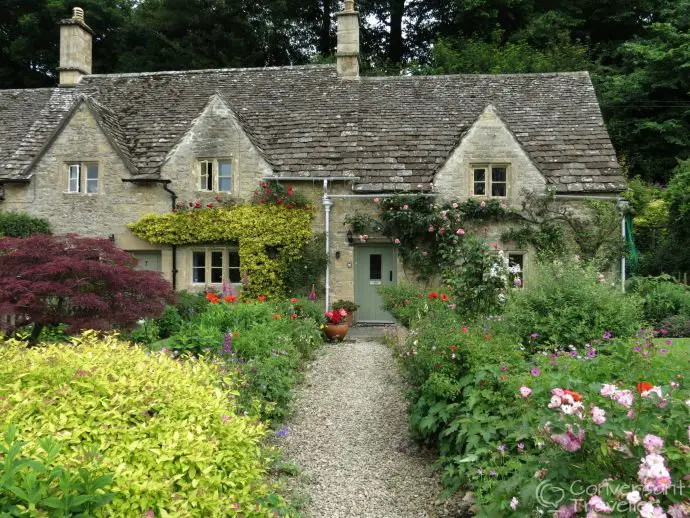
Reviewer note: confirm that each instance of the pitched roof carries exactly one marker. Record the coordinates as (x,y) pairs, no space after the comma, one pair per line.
(392,132)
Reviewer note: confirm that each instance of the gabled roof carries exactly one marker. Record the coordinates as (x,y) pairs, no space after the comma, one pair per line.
(392,132)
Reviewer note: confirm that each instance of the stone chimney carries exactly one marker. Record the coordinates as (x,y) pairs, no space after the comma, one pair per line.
(75,48)
(347,54)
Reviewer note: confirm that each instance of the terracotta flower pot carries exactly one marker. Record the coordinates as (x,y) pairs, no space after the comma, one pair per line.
(336,331)
(350,319)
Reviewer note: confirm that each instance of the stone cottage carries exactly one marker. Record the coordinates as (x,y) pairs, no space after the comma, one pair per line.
(97,152)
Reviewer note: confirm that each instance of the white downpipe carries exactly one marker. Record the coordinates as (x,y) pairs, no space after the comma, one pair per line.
(327,204)
(623,255)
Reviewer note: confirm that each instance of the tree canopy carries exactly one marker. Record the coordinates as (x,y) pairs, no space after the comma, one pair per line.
(85,282)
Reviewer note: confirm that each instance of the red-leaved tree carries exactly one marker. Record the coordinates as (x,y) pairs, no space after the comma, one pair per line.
(84,282)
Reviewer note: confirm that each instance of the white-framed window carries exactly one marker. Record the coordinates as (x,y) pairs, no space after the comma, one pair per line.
(214,174)
(82,177)
(490,180)
(215,265)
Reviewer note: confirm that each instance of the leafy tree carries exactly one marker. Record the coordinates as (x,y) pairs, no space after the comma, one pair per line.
(646,96)
(30,42)
(85,282)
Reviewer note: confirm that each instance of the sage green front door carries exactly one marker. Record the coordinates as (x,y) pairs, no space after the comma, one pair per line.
(375,266)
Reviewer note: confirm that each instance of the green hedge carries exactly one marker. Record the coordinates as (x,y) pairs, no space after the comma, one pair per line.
(19,224)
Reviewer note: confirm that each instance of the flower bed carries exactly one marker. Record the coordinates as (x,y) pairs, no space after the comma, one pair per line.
(595,429)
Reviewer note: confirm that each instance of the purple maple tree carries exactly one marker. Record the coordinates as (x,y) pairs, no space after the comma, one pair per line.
(85,282)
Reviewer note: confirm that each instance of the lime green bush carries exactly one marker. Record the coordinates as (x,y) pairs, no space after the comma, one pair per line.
(257,229)
(166,429)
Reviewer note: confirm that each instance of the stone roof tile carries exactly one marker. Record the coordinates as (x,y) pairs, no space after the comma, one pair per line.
(306,121)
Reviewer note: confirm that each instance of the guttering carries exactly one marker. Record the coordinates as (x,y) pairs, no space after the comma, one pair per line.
(587,197)
(307,178)
(387,195)
(327,204)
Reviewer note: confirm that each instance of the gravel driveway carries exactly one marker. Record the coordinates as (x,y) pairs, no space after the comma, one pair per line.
(349,436)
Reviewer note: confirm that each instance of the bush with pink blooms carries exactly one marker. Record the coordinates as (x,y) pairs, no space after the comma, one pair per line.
(595,429)
(601,435)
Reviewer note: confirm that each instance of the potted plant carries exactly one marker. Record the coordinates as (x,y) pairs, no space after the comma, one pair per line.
(335,326)
(348,306)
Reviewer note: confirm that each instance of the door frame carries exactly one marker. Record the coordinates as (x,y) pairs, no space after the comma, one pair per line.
(394,263)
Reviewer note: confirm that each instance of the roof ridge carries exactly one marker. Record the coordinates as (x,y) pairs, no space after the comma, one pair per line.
(443,76)
(208,70)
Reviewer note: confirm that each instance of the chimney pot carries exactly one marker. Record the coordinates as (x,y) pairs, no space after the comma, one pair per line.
(347,53)
(76,40)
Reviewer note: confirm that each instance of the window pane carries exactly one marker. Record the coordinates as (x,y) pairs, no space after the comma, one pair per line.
(375,267)
(205,175)
(498,174)
(74,174)
(233,259)
(498,189)
(199,267)
(480,181)
(209,176)
(92,178)
(225,176)
(217,266)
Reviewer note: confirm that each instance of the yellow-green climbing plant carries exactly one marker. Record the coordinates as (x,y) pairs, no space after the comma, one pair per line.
(256,228)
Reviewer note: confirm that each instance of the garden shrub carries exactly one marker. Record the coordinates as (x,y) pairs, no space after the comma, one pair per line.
(189,304)
(264,344)
(565,303)
(166,429)
(666,303)
(308,270)
(20,224)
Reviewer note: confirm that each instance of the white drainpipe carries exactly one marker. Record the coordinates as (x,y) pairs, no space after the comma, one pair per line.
(327,204)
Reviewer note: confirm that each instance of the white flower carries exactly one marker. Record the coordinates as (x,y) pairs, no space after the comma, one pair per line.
(514,502)
(633,497)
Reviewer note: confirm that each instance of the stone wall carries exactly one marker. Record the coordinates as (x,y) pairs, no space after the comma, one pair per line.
(488,141)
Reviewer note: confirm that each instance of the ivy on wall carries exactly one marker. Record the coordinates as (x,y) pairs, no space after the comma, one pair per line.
(259,230)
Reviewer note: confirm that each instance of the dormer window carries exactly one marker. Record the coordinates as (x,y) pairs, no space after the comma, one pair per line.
(82,178)
(490,180)
(214,175)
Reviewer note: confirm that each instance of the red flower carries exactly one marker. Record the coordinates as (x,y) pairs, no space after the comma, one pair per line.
(644,387)
(218,199)
(209,205)
(290,191)
(293,300)
(437,366)
(334,317)
(293,316)
(231,298)
(276,316)
(574,395)
(453,347)
(433,295)
(262,298)
(444,297)
(465,330)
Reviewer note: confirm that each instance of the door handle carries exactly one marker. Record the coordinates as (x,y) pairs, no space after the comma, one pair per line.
(390,276)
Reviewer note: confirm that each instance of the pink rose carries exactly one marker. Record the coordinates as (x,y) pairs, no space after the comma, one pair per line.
(460,232)
(598,415)
(525,391)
